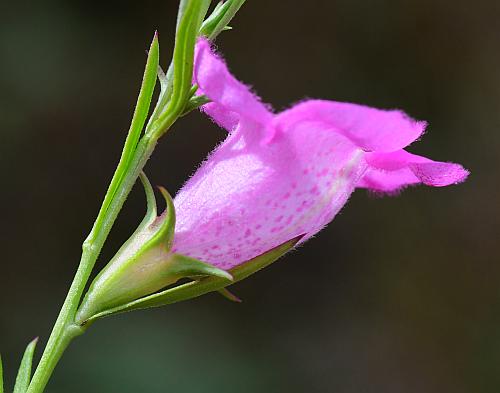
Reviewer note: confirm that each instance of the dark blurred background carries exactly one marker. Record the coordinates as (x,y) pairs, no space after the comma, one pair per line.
(398,294)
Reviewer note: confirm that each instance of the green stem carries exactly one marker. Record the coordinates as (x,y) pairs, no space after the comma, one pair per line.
(134,157)
(65,330)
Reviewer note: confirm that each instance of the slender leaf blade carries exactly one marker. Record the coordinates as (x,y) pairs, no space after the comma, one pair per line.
(1,375)
(220,18)
(144,99)
(24,373)
(138,119)
(187,31)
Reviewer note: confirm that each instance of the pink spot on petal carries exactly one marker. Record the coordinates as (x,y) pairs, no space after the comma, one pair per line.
(322,173)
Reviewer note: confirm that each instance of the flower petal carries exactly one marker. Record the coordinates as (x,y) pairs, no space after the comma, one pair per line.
(249,197)
(391,171)
(232,101)
(369,128)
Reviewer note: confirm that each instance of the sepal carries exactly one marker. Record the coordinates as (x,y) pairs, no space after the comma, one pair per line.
(199,287)
(151,212)
(166,222)
(24,374)
(184,266)
(142,265)
(229,295)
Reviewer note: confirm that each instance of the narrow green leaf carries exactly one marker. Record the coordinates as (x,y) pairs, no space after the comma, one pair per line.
(215,17)
(200,287)
(220,18)
(163,115)
(180,12)
(24,373)
(138,120)
(1,375)
(144,99)
(187,31)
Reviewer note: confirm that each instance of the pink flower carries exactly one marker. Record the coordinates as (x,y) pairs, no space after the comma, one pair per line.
(277,176)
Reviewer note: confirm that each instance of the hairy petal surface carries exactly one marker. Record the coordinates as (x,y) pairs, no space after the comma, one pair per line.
(369,128)
(390,172)
(232,101)
(249,197)
(276,177)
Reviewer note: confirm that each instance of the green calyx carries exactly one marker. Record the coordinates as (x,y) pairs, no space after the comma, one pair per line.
(141,273)
(202,286)
(145,263)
